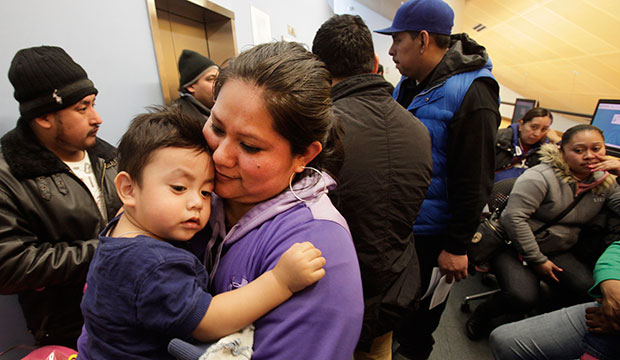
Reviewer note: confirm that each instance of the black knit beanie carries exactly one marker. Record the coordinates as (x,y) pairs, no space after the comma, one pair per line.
(191,66)
(46,79)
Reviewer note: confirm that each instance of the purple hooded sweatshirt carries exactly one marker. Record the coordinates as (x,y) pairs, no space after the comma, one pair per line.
(324,320)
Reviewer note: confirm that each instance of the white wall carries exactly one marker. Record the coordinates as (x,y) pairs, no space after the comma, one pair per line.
(304,16)
(112,41)
(381,42)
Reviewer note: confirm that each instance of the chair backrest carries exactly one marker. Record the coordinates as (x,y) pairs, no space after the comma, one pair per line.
(500,193)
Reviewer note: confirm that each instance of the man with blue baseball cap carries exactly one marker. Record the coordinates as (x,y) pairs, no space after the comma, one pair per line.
(447,84)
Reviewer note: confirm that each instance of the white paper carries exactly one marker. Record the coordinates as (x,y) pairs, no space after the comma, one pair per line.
(261,26)
(441,292)
(434,280)
(439,287)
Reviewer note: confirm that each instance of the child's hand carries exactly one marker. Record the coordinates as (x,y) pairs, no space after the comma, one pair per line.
(301,265)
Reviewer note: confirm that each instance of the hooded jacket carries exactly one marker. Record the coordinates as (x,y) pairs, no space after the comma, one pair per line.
(320,322)
(459,104)
(382,184)
(49,224)
(540,194)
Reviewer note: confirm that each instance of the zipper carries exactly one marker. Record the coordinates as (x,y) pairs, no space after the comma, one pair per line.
(428,90)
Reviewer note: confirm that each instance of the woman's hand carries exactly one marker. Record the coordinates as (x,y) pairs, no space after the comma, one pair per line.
(608,163)
(606,318)
(300,266)
(553,136)
(547,269)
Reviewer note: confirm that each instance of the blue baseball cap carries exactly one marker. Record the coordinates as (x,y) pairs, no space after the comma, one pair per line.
(434,16)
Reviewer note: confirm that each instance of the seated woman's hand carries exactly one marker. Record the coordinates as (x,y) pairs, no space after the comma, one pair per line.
(599,323)
(547,269)
(607,163)
(300,266)
(611,300)
(605,319)
(553,136)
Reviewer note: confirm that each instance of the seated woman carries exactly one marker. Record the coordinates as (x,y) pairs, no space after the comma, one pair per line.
(590,330)
(517,145)
(270,131)
(538,196)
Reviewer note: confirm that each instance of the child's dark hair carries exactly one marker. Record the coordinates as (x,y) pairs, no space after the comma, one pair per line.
(162,126)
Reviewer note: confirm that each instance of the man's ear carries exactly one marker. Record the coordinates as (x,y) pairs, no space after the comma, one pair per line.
(125,188)
(191,88)
(44,121)
(424,41)
(376,66)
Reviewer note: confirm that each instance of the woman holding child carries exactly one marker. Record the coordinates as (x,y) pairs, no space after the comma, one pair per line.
(579,169)
(271,133)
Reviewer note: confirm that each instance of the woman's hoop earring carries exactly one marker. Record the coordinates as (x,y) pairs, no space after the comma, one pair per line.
(290,183)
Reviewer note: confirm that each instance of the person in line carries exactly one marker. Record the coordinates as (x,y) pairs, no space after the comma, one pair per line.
(56,192)
(589,331)
(272,134)
(381,185)
(518,144)
(155,291)
(538,196)
(447,84)
(197,74)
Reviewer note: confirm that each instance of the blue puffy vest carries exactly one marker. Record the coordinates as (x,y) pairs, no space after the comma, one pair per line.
(436,107)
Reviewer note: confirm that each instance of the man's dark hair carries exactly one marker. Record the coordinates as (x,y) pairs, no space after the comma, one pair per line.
(344,44)
(161,127)
(442,41)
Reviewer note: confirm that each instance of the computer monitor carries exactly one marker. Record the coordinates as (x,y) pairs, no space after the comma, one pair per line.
(521,107)
(607,118)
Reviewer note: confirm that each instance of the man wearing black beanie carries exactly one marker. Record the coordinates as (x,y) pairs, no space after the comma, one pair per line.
(56,192)
(197,74)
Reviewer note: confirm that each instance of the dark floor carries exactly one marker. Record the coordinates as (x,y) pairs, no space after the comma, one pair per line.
(451,341)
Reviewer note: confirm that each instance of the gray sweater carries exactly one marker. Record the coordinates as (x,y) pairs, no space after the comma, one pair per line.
(540,194)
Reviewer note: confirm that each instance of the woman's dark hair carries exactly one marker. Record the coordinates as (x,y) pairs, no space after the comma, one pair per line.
(297,93)
(537,112)
(570,133)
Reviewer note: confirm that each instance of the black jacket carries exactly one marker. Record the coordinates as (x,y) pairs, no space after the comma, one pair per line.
(189,105)
(49,224)
(387,168)
(505,150)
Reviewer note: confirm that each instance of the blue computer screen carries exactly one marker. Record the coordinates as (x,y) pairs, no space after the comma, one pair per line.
(607,118)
